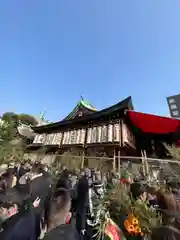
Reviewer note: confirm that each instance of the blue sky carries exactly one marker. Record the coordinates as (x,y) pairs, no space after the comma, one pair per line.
(51,52)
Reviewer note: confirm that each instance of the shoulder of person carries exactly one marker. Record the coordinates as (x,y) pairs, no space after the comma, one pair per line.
(65,231)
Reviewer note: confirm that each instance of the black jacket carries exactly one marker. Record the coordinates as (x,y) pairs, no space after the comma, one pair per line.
(24,225)
(82,193)
(63,232)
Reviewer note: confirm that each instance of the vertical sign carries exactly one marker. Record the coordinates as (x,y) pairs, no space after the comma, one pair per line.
(74,137)
(83,134)
(40,138)
(104,134)
(78,136)
(116,132)
(57,139)
(64,138)
(93,135)
(89,135)
(110,133)
(99,129)
(49,139)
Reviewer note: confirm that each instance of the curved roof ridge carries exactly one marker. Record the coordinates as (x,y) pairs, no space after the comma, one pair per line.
(81,103)
(86,104)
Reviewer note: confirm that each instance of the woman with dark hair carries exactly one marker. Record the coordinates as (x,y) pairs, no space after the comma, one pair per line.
(138,191)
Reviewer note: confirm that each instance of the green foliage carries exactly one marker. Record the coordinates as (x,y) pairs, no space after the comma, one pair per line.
(117,203)
(11,146)
(11,117)
(174,152)
(8,131)
(11,151)
(27,119)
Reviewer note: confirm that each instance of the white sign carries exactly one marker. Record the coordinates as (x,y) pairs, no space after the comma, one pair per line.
(48,139)
(98,134)
(39,139)
(110,133)
(57,139)
(104,133)
(74,137)
(117,132)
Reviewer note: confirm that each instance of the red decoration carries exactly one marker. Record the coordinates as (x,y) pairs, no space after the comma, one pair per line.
(153,124)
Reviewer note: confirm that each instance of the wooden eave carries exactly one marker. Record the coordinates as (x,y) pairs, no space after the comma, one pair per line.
(121,106)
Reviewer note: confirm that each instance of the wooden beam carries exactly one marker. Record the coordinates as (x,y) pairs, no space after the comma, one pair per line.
(82,157)
(119,162)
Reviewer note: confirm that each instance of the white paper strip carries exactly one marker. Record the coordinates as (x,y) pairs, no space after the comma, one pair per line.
(57,139)
(64,138)
(116,132)
(104,134)
(40,138)
(93,135)
(78,136)
(110,133)
(83,134)
(99,129)
(89,135)
(49,139)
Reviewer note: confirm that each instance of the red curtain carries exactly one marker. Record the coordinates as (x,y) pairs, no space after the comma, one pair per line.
(153,124)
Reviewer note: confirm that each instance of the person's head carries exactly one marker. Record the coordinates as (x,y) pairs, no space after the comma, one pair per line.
(10,203)
(64,168)
(46,168)
(82,173)
(37,168)
(151,192)
(61,205)
(7,177)
(138,191)
(87,172)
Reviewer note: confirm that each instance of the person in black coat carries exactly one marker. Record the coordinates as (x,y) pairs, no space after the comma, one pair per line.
(15,227)
(16,215)
(41,187)
(82,202)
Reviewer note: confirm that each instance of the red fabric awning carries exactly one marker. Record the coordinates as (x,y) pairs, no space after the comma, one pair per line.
(152,123)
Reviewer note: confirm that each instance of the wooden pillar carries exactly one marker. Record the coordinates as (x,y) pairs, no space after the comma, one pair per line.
(82,157)
(146,165)
(143,163)
(119,161)
(114,160)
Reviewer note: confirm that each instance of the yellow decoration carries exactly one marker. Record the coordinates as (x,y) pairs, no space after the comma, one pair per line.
(133,220)
(132,226)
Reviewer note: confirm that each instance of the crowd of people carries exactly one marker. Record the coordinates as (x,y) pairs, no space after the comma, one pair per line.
(36,204)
